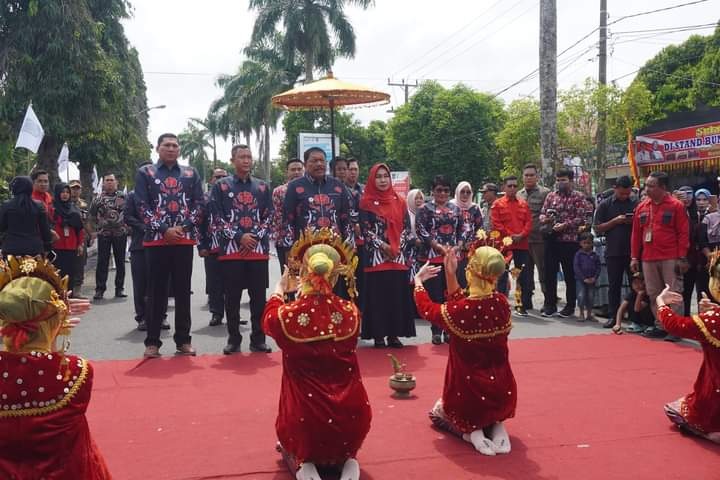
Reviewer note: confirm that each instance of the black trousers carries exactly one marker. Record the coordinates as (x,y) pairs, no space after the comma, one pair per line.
(557,255)
(138,271)
(80,261)
(105,244)
(168,263)
(66,261)
(616,268)
(698,279)
(521,258)
(282,253)
(436,291)
(214,285)
(238,275)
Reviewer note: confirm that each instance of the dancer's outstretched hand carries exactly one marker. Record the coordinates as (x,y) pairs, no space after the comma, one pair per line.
(426,273)
(450,260)
(668,297)
(706,304)
(78,306)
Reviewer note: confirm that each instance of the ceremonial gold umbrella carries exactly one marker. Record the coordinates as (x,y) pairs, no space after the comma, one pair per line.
(329,93)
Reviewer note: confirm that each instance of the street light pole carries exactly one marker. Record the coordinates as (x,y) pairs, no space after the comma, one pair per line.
(156,107)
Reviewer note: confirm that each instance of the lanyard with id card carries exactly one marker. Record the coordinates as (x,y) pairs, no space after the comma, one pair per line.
(648,230)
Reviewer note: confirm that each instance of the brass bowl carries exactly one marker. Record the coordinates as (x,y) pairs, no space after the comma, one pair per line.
(402,384)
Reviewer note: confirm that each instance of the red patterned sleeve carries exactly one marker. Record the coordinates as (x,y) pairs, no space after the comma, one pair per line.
(429,310)
(270,319)
(685,327)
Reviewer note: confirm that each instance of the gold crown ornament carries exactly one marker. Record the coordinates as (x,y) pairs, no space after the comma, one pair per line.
(340,255)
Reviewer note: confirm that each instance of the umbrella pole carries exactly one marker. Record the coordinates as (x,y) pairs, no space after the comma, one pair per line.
(332,129)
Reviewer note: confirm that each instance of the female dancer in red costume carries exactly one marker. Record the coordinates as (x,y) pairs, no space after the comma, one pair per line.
(324,412)
(699,411)
(44,393)
(480,390)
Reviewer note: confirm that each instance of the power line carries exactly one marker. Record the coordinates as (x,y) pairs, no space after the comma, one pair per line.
(483,38)
(682,77)
(445,52)
(678,28)
(672,7)
(448,38)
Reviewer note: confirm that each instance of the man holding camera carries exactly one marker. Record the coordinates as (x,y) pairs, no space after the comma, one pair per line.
(613,219)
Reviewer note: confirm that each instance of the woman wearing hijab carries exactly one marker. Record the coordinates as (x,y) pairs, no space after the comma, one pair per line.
(24,222)
(415,200)
(472,220)
(69,227)
(389,240)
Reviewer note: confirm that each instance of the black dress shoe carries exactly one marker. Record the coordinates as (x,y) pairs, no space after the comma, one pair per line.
(215,320)
(142,326)
(446,337)
(165,325)
(436,339)
(260,348)
(379,343)
(231,348)
(120,294)
(394,342)
(98,295)
(609,324)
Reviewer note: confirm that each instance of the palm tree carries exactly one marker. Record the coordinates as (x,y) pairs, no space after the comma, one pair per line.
(193,141)
(307,25)
(212,127)
(246,101)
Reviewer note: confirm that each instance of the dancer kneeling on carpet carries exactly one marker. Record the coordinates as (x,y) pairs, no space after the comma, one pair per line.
(480,390)
(324,413)
(699,411)
(45,392)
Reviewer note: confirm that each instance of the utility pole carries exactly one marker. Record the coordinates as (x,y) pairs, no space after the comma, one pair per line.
(602,81)
(406,86)
(548,89)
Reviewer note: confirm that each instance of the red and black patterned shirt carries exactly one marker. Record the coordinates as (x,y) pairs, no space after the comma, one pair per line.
(443,224)
(315,204)
(238,207)
(169,197)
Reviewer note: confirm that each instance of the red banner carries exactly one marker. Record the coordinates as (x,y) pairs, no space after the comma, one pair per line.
(682,145)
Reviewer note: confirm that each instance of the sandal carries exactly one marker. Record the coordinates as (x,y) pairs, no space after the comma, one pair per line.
(617,330)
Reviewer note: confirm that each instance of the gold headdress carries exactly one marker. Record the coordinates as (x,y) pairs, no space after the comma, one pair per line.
(714,271)
(33,308)
(488,256)
(321,256)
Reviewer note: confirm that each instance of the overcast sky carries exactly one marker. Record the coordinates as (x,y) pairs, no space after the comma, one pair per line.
(488,44)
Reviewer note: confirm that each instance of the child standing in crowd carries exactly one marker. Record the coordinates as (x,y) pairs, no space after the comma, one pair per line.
(637,306)
(587,269)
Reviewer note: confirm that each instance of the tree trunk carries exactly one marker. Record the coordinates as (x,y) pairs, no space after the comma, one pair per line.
(214,153)
(548,89)
(47,157)
(266,147)
(308,68)
(86,180)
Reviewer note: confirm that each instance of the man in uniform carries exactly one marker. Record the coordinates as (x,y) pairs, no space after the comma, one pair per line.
(241,210)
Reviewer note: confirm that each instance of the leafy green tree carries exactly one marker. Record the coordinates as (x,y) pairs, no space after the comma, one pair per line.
(73,61)
(519,140)
(246,99)
(309,27)
(683,77)
(447,131)
(193,144)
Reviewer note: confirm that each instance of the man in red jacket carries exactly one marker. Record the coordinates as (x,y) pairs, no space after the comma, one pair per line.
(660,239)
(512,218)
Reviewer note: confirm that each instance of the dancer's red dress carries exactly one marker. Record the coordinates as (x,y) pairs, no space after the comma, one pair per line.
(43,430)
(701,408)
(324,412)
(479,386)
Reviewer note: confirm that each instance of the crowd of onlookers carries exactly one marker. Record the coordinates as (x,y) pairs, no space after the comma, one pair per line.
(619,249)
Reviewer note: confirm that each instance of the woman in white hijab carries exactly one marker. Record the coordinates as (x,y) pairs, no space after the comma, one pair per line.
(472,221)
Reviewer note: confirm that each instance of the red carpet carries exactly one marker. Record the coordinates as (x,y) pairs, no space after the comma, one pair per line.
(589,408)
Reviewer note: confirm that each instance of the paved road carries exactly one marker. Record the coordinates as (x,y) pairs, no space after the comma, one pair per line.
(108,331)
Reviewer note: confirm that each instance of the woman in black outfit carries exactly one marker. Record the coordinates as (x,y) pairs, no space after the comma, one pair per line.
(24,222)
(69,229)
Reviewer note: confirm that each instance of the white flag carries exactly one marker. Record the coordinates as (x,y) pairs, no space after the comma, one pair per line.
(97,183)
(31,132)
(64,159)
